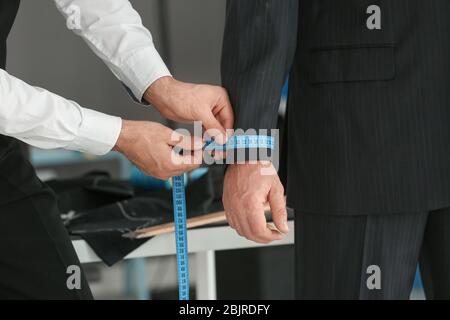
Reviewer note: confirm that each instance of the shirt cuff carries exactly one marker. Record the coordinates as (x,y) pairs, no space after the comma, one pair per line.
(140,70)
(97,134)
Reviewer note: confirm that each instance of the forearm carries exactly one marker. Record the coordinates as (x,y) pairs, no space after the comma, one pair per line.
(46,120)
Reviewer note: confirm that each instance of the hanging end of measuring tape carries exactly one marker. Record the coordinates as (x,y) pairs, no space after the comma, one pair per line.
(239,148)
(179,217)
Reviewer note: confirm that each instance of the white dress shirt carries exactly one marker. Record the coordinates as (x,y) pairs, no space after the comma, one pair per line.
(114,31)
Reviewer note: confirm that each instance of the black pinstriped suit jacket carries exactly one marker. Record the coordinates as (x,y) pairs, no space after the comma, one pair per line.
(368,109)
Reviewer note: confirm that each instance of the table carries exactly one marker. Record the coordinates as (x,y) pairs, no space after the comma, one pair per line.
(203,242)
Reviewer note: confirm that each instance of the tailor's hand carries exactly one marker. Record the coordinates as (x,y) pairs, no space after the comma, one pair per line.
(187,102)
(149,145)
(246,191)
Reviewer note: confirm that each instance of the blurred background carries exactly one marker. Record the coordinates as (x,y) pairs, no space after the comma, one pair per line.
(188,35)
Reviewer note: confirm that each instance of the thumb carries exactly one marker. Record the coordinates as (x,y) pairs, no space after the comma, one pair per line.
(214,129)
(278,207)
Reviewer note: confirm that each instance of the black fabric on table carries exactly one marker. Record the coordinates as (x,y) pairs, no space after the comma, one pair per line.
(90,191)
(103,209)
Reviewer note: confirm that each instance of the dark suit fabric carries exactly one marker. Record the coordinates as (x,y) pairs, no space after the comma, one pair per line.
(333,254)
(369,110)
(368,133)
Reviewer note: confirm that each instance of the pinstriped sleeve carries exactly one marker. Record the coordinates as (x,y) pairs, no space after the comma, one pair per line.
(258,50)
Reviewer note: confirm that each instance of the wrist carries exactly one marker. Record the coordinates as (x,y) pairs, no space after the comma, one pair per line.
(124,136)
(159,92)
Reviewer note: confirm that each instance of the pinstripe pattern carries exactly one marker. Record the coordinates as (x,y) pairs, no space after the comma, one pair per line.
(266,29)
(368,134)
(369,110)
(333,253)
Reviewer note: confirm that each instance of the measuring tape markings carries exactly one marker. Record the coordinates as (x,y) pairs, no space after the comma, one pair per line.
(179,211)
(179,204)
(242,142)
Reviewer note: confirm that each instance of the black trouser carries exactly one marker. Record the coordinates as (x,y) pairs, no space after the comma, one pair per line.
(333,254)
(35,250)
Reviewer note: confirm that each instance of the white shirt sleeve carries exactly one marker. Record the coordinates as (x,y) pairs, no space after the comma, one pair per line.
(114,31)
(46,120)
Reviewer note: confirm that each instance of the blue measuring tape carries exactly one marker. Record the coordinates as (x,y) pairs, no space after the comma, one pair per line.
(179,218)
(179,204)
(242,142)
